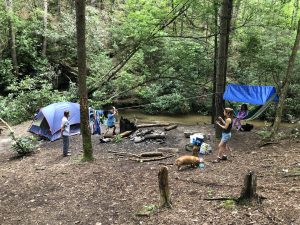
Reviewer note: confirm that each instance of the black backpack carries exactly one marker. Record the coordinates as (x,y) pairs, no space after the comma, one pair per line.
(247,127)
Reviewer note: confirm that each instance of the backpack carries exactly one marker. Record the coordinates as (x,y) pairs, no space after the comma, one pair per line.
(247,127)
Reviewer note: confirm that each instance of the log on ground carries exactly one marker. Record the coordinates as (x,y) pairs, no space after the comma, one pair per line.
(171,127)
(152,125)
(151,154)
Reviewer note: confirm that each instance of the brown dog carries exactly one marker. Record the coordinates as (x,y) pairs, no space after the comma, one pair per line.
(195,150)
(187,160)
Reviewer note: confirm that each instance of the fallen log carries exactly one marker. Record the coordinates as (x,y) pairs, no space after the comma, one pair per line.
(292,175)
(152,159)
(126,133)
(155,136)
(151,154)
(171,127)
(267,143)
(123,153)
(173,150)
(152,125)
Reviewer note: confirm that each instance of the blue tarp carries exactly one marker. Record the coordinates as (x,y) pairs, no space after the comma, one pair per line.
(258,95)
(47,122)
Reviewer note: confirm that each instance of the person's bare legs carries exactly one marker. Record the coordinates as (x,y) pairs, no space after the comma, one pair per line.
(222,149)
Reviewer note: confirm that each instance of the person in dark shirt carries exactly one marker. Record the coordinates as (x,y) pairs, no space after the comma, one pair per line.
(226,125)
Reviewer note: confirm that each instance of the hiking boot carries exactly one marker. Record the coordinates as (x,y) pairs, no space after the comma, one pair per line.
(68,154)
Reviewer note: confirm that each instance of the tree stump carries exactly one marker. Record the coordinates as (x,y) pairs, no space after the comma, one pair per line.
(126,125)
(248,192)
(163,182)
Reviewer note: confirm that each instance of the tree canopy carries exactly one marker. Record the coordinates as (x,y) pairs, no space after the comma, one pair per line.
(142,51)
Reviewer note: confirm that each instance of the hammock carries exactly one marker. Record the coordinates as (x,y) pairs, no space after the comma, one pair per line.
(260,110)
(262,96)
(257,111)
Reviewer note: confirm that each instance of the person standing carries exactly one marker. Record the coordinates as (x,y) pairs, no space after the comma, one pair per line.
(226,125)
(111,120)
(65,132)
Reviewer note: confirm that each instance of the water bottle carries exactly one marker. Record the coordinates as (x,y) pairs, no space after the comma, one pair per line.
(201,164)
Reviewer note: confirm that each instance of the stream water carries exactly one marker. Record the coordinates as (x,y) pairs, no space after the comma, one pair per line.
(188,119)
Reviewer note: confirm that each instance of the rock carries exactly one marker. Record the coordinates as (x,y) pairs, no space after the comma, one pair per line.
(138,139)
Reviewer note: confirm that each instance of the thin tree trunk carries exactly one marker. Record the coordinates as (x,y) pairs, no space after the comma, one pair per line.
(213,108)
(225,17)
(295,12)
(286,83)
(13,51)
(174,22)
(45,28)
(101,4)
(58,9)
(81,54)
(235,12)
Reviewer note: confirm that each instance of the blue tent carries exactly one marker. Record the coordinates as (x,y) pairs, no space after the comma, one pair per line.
(47,122)
(258,95)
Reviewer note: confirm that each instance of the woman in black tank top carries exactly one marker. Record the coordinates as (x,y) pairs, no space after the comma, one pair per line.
(226,134)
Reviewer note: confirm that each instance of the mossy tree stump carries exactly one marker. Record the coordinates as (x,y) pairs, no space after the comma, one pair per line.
(248,192)
(163,182)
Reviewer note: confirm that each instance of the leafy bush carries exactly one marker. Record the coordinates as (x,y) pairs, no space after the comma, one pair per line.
(117,138)
(27,97)
(24,145)
(172,103)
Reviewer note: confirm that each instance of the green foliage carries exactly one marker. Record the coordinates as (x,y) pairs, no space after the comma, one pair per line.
(117,138)
(24,145)
(170,67)
(171,103)
(27,97)
(228,204)
(147,210)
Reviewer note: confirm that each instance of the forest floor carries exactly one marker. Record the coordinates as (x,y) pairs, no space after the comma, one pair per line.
(47,188)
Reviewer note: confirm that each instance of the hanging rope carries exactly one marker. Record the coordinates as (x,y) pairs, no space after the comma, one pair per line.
(153,103)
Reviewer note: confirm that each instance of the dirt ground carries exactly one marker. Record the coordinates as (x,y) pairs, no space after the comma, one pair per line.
(46,188)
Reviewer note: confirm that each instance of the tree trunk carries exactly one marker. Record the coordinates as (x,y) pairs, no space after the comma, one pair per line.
(164,190)
(81,54)
(174,22)
(45,28)
(249,189)
(295,12)
(13,51)
(213,108)
(286,83)
(225,18)
(58,9)
(235,12)
(101,3)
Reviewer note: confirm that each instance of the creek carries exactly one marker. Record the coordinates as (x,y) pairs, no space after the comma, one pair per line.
(188,119)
